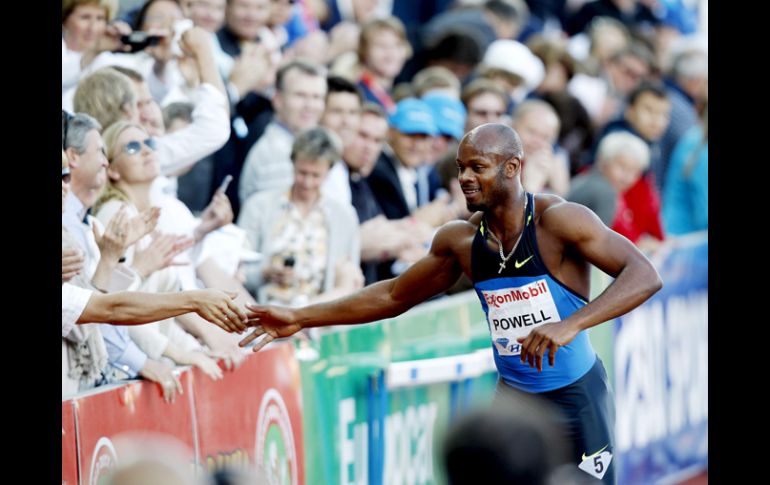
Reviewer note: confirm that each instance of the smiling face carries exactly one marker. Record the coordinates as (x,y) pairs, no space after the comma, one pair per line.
(83,27)
(482,176)
(300,104)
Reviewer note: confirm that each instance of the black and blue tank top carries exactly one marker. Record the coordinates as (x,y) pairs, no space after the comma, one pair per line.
(520,298)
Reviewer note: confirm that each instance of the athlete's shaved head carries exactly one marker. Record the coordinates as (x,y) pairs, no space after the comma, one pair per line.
(489,164)
(495,139)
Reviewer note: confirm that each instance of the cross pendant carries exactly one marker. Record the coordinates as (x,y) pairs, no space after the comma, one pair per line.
(502,267)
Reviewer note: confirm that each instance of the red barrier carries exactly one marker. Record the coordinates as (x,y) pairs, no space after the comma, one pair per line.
(69,446)
(138,406)
(254,415)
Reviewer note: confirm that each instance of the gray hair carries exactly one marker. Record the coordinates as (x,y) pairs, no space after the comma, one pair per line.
(317,144)
(692,64)
(623,142)
(78,127)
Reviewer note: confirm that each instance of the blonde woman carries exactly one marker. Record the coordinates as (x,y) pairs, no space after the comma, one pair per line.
(133,166)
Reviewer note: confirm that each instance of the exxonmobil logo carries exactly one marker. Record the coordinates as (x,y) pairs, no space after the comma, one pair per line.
(533,290)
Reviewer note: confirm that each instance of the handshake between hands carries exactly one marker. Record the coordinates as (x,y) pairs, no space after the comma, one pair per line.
(219,308)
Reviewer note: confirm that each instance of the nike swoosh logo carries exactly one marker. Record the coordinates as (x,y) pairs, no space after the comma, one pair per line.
(519,265)
(594,454)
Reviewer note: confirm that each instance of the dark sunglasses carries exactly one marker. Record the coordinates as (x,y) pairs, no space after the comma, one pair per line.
(65,175)
(133,147)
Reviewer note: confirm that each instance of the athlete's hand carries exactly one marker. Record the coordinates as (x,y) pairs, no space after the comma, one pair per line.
(549,337)
(272,322)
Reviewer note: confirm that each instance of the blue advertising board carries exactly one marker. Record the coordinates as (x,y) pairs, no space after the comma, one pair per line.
(661,371)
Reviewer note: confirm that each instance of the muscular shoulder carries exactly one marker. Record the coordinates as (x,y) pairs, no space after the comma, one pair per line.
(566,220)
(454,235)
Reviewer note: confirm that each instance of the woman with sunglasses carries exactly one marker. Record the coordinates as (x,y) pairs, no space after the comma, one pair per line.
(85,357)
(158,258)
(163,260)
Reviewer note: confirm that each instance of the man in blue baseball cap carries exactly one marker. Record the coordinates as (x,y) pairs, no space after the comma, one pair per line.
(410,133)
(395,181)
(441,170)
(449,114)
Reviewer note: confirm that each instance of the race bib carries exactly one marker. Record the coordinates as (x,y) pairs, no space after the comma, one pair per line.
(514,312)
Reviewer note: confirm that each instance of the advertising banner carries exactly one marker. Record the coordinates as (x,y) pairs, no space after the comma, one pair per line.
(661,371)
(253,416)
(69,450)
(365,433)
(138,406)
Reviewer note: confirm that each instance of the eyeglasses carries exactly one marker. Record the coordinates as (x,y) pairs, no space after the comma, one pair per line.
(65,175)
(65,124)
(133,147)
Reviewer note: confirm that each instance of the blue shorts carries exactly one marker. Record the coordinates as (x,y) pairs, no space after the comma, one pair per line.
(588,415)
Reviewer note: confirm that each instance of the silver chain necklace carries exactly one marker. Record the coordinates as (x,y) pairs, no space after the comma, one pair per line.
(503,257)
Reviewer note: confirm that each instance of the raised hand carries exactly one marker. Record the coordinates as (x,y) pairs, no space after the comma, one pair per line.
(160,253)
(123,231)
(218,213)
(141,225)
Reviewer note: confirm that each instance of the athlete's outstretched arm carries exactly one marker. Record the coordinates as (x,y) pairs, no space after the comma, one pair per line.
(431,275)
(636,279)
